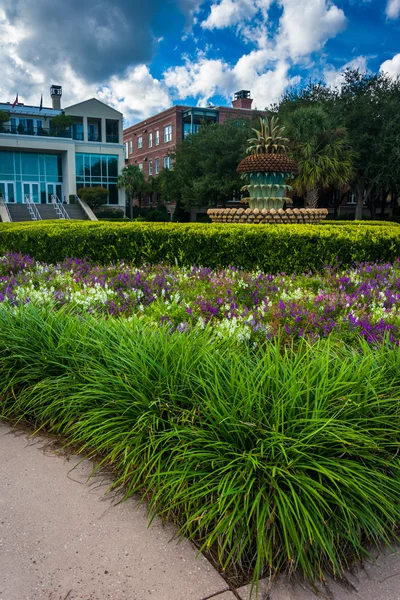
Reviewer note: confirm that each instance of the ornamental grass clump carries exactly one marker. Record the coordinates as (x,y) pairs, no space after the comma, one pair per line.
(280,460)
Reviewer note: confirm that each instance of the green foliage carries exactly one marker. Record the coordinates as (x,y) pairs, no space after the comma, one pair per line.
(180,214)
(368,106)
(110,213)
(321,149)
(4,118)
(133,181)
(94,196)
(61,123)
(205,163)
(273,461)
(269,138)
(272,248)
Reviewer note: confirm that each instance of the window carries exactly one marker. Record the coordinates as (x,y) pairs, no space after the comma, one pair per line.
(157,165)
(150,140)
(168,133)
(167,162)
(150,167)
(157,135)
(97,170)
(126,150)
(130,147)
(140,141)
(351,199)
(140,165)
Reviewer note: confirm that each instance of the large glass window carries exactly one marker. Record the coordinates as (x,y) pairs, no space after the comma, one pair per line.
(30,164)
(98,170)
(157,136)
(150,140)
(7,164)
(140,141)
(26,169)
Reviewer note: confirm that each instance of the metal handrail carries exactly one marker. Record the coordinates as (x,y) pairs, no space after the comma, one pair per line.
(60,210)
(32,208)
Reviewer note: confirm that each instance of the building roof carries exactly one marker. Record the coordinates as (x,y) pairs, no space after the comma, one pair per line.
(27,110)
(93,102)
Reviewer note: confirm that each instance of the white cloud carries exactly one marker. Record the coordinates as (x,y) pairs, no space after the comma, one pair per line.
(393,9)
(234,12)
(207,78)
(228,13)
(136,93)
(306,26)
(334,77)
(391,67)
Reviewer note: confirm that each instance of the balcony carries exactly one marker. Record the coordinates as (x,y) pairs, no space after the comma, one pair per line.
(42,132)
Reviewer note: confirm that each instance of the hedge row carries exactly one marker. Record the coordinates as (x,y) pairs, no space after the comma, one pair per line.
(362,223)
(272,248)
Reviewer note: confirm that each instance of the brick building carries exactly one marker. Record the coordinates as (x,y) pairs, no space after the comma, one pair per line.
(149,143)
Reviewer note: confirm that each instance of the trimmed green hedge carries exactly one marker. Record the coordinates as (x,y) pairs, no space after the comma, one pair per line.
(363,223)
(272,248)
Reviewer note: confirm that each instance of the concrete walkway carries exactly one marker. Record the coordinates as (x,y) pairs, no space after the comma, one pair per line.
(62,539)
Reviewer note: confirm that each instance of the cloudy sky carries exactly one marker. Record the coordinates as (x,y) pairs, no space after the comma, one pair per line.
(141,56)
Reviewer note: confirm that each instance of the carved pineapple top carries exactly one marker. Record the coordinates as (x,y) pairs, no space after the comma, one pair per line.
(264,163)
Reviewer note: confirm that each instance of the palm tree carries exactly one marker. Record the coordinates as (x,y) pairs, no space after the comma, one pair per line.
(132,179)
(322,152)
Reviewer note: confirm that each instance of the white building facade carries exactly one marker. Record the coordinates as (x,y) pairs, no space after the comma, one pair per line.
(39,161)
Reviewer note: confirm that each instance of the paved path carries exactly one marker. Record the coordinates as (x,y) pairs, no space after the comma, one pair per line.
(62,539)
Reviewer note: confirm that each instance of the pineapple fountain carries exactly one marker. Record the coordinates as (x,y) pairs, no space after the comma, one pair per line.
(267,169)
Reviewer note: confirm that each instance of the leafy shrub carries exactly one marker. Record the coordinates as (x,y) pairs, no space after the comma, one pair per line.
(109,213)
(94,196)
(272,248)
(364,222)
(281,460)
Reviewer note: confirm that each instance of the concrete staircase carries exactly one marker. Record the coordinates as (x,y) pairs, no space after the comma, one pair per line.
(47,211)
(74,211)
(19,212)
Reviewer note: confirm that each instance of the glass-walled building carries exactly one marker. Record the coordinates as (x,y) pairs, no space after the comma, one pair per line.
(34,174)
(40,159)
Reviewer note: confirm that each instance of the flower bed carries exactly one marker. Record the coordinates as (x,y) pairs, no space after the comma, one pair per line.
(361,301)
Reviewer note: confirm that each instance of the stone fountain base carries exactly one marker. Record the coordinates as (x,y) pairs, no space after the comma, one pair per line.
(255,215)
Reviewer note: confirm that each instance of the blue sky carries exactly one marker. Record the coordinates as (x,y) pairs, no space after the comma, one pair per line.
(141,57)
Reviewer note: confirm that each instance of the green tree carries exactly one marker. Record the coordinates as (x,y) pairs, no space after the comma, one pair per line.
(94,196)
(132,179)
(205,163)
(368,106)
(61,123)
(321,150)
(4,118)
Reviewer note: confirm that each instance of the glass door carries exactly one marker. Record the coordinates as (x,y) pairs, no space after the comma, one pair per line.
(7,191)
(32,190)
(53,189)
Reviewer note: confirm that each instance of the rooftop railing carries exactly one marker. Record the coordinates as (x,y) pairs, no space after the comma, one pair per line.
(53,132)
(42,132)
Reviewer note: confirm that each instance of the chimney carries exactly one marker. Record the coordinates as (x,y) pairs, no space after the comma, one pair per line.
(242,99)
(56,93)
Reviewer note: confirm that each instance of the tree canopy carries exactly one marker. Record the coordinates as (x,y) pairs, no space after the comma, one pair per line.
(205,163)
(368,107)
